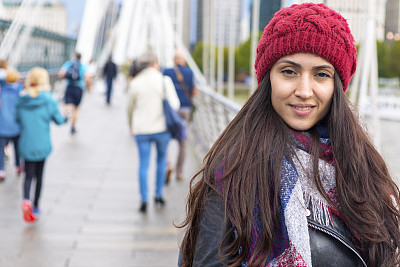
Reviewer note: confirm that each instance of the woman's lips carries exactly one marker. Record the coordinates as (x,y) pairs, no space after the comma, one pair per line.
(302,110)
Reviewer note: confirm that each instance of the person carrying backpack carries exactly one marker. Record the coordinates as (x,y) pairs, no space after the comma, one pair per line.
(76,75)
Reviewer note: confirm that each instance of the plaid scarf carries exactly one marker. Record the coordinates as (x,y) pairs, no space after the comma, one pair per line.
(291,244)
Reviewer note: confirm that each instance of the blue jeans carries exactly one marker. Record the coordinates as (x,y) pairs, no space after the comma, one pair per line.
(144,142)
(109,82)
(3,142)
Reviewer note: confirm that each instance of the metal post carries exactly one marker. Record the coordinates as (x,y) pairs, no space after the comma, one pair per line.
(254,41)
(373,82)
(212,44)
(2,11)
(375,116)
(123,30)
(231,67)
(13,31)
(367,78)
(206,38)
(24,36)
(169,42)
(137,23)
(221,31)
(355,83)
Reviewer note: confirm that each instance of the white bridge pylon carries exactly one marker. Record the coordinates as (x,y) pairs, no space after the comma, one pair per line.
(92,17)
(141,26)
(364,87)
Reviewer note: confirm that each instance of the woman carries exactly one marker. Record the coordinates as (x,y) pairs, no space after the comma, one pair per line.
(36,108)
(147,121)
(9,129)
(294,180)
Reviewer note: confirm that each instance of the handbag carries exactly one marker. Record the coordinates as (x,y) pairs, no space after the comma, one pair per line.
(175,124)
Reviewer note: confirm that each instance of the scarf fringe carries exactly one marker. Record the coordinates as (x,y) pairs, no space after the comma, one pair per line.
(319,208)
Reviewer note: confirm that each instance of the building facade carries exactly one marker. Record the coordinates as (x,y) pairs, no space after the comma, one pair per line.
(52,17)
(356,14)
(267,11)
(218,16)
(392,22)
(179,11)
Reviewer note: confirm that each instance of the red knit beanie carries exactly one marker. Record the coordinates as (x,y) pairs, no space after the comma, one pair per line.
(308,28)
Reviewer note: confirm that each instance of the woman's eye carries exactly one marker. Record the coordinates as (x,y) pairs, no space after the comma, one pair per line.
(323,75)
(288,72)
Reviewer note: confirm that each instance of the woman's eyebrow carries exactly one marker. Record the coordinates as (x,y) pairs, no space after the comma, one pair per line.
(323,67)
(299,65)
(289,62)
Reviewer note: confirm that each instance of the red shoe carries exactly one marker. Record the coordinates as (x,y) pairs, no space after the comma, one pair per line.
(27,210)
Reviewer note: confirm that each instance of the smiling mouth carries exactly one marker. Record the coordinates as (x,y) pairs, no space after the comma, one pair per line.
(302,108)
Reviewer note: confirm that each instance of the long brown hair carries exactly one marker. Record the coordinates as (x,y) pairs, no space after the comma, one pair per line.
(255,139)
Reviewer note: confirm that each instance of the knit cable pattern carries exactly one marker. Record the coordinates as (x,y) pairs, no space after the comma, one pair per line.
(308,28)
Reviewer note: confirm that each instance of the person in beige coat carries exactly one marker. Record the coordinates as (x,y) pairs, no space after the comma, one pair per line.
(147,122)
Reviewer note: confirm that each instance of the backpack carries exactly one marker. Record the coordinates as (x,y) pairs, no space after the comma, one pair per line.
(73,72)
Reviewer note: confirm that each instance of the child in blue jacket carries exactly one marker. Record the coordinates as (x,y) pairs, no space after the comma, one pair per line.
(36,108)
(9,129)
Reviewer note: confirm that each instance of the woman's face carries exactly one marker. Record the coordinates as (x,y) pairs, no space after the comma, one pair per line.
(302,89)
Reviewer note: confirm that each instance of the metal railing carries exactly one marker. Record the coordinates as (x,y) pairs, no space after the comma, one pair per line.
(213,112)
(46,49)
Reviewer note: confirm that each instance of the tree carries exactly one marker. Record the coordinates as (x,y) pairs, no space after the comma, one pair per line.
(394,57)
(197,55)
(382,50)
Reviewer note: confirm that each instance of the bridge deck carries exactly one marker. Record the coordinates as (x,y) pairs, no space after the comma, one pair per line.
(90,200)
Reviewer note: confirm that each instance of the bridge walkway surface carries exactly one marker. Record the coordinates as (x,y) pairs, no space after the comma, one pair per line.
(90,199)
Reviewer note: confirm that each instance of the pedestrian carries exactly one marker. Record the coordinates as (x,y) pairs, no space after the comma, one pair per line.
(91,74)
(184,83)
(3,70)
(110,73)
(147,122)
(36,108)
(75,74)
(134,69)
(294,180)
(9,130)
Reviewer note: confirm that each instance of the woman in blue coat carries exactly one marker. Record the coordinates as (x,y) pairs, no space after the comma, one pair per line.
(36,108)
(9,129)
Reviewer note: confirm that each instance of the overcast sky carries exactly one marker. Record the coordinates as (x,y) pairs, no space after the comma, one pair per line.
(75,11)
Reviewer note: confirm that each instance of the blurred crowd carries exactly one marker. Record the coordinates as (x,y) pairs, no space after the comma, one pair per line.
(27,109)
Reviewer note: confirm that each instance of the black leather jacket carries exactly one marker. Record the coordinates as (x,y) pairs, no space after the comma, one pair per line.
(333,246)
(330,247)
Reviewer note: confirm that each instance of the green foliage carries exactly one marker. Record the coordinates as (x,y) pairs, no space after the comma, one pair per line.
(197,55)
(382,51)
(242,56)
(394,59)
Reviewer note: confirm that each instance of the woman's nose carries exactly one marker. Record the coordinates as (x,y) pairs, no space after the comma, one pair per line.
(304,87)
